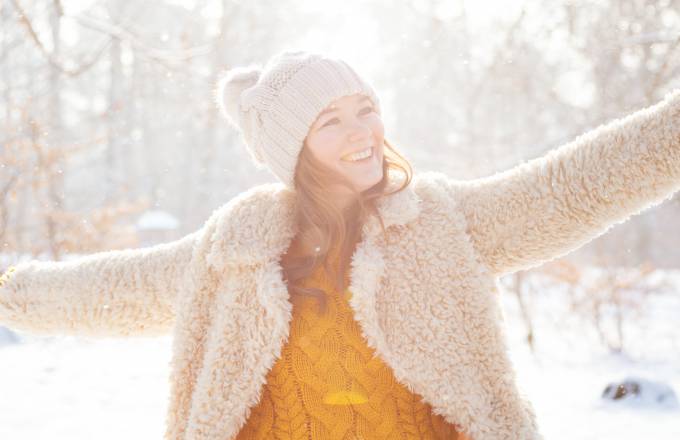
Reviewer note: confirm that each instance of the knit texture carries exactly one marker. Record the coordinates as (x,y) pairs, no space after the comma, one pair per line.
(328,383)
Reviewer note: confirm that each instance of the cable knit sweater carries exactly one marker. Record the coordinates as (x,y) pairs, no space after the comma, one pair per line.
(424,294)
(328,383)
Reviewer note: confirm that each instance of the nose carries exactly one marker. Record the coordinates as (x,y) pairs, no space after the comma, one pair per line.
(359,131)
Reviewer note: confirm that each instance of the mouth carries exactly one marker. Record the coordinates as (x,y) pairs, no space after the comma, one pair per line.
(359,156)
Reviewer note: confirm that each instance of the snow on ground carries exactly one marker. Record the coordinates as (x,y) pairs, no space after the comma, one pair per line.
(77,389)
(571,368)
(80,389)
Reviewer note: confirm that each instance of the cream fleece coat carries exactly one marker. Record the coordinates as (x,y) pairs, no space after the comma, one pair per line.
(425,297)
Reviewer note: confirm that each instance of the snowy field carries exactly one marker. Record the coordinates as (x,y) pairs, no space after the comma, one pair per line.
(76,389)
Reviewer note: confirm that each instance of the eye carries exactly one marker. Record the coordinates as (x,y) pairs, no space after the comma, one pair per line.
(369,108)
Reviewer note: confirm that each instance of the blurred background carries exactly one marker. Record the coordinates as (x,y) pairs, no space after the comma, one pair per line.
(110,138)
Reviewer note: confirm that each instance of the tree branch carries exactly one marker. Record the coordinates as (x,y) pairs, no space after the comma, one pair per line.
(51,59)
(115,32)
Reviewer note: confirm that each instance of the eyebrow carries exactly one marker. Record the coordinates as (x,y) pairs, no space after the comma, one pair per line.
(330,110)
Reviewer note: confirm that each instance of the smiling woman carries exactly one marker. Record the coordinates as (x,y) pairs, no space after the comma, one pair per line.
(353,299)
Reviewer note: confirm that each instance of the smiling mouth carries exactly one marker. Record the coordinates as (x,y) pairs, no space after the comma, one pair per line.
(359,156)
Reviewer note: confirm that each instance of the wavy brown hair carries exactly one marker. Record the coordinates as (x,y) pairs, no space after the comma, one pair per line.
(329,226)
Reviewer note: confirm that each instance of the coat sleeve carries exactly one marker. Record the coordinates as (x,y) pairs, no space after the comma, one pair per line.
(545,208)
(116,293)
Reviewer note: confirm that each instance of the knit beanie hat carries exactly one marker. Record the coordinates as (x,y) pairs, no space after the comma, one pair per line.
(274,106)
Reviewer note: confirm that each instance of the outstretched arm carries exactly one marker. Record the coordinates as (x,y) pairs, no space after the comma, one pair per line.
(115,293)
(549,206)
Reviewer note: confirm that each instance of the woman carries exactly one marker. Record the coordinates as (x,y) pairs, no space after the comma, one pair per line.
(350,300)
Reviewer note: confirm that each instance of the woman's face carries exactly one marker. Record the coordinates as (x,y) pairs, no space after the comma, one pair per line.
(348,137)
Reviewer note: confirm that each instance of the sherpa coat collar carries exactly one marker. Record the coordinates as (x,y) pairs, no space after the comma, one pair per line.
(247,233)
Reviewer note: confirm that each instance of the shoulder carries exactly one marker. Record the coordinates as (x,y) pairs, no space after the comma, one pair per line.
(251,226)
(439,197)
(257,201)
(435,187)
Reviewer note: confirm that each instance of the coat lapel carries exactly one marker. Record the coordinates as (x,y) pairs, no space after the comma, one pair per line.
(252,231)
(258,225)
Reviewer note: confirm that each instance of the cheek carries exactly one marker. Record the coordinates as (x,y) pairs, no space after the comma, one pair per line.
(328,156)
(326,150)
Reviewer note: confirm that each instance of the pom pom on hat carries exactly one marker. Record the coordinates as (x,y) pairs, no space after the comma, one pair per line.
(230,87)
(232,98)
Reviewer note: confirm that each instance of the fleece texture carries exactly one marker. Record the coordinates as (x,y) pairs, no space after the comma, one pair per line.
(424,295)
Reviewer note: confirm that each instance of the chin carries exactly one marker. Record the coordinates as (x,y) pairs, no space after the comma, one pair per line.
(366,185)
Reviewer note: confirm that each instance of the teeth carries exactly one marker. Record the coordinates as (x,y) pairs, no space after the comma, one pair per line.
(358,156)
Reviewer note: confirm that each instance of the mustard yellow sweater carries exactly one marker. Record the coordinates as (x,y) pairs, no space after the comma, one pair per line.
(327,383)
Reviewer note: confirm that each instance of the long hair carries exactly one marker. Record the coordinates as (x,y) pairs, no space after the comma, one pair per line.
(331,227)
